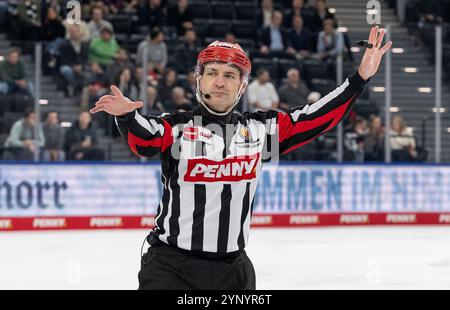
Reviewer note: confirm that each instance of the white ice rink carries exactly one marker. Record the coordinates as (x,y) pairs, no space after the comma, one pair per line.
(413,257)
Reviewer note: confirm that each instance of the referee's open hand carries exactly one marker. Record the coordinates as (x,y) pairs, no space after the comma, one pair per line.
(116,104)
(372,56)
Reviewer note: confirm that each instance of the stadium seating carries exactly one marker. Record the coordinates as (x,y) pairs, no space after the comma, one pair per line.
(218,28)
(222,10)
(244,29)
(245,11)
(314,69)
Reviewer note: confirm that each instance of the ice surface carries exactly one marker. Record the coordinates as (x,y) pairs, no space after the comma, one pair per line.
(407,257)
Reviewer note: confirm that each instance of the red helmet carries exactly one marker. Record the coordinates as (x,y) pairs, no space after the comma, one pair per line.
(224,52)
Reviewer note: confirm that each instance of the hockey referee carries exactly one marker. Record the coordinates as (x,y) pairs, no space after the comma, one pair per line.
(211,160)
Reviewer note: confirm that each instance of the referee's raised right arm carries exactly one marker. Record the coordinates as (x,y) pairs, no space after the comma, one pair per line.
(145,135)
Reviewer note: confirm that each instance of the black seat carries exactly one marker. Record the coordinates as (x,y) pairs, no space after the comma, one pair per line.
(121,23)
(134,41)
(6,103)
(314,69)
(364,108)
(246,43)
(286,64)
(201,27)
(349,68)
(244,29)
(208,40)
(245,11)
(323,86)
(265,63)
(222,10)
(200,9)
(279,6)
(122,39)
(218,28)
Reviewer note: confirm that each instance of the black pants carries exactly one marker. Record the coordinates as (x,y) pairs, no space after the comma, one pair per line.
(164,267)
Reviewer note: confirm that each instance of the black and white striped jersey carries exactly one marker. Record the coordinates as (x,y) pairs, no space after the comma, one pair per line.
(211,167)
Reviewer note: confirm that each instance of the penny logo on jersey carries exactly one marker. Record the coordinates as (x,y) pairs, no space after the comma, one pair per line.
(231,169)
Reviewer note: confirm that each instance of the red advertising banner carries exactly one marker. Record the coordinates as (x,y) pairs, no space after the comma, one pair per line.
(258,220)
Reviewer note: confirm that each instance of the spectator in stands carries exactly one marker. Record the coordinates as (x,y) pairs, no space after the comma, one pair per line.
(102,50)
(321,13)
(4,89)
(190,85)
(186,52)
(264,15)
(130,6)
(313,96)
(54,139)
(126,83)
(298,9)
(294,92)
(274,38)
(151,14)
(97,3)
(96,83)
(81,140)
(115,6)
(73,56)
(230,38)
(97,23)
(26,24)
(330,41)
(261,94)
(156,51)
(83,27)
(354,141)
(154,105)
(12,72)
(121,61)
(374,141)
(168,82)
(52,31)
(180,16)
(403,142)
(22,142)
(52,27)
(178,101)
(300,39)
(431,11)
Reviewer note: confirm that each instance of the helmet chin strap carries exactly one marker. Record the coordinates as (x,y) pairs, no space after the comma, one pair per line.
(208,108)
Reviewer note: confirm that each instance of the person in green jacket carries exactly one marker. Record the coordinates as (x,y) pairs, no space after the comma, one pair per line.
(13,73)
(102,50)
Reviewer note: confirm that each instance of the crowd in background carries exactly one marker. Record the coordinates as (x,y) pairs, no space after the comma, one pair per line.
(420,17)
(293,51)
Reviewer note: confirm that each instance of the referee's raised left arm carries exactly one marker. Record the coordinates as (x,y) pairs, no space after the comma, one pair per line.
(303,124)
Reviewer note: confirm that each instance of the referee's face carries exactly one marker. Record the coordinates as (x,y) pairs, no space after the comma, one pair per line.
(221,82)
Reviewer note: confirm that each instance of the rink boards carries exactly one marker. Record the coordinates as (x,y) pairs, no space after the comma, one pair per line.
(93,196)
